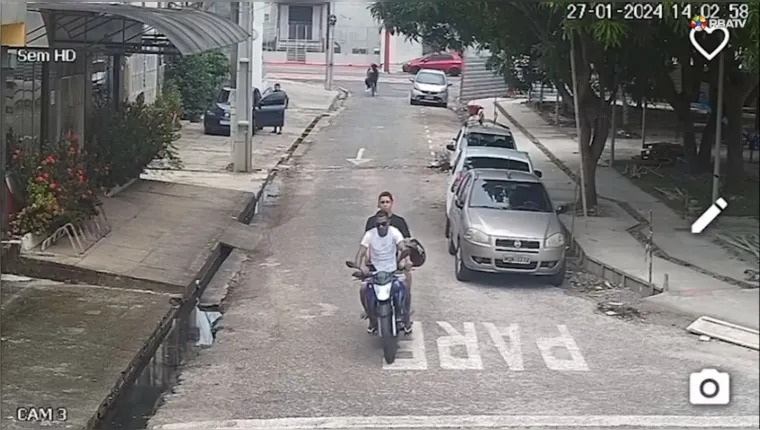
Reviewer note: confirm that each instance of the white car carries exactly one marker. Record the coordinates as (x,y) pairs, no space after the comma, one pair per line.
(430,87)
(487,134)
(486,158)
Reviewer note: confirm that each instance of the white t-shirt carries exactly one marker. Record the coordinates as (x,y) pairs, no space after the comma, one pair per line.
(382,250)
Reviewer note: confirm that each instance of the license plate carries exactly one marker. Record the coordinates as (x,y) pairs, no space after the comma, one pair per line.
(516,259)
(224,122)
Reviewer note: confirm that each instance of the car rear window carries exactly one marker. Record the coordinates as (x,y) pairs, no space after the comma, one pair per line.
(496,163)
(510,195)
(491,140)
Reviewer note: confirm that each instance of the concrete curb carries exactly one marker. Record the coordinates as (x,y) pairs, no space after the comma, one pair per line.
(593,265)
(183,306)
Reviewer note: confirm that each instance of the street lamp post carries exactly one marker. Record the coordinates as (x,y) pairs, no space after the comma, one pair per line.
(330,50)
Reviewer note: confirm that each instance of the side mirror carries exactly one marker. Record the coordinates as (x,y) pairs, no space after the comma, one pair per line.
(458,203)
(451,147)
(560,209)
(358,274)
(538,173)
(450,84)
(351,265)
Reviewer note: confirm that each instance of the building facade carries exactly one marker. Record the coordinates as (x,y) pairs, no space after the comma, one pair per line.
(296,32)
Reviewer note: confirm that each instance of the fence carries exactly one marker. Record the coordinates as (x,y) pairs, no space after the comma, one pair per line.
(300,39)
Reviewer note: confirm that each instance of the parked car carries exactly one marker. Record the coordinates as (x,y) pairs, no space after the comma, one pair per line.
(429,87)
(447,62)
(487,158)
(505,222)
(269,108)
(475,133)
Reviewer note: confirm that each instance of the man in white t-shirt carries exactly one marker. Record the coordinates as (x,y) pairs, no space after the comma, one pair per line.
(382,243)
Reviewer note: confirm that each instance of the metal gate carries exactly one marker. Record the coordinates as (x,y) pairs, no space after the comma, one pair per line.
(477,81)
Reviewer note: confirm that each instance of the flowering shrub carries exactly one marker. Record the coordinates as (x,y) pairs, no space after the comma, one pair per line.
(58,190)
(127,138)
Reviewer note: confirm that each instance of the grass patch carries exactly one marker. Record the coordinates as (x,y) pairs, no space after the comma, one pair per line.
(698,188)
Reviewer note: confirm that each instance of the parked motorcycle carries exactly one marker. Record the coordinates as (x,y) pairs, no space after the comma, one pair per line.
(386,295)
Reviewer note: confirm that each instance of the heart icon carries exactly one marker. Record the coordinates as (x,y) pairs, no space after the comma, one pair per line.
(701,50)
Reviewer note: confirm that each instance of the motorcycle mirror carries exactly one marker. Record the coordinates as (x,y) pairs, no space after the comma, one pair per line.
(358,274)
(351,265)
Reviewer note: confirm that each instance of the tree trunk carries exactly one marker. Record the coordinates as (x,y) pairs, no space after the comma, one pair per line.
(735,154)
(686,124)
(706,143)
(588,163)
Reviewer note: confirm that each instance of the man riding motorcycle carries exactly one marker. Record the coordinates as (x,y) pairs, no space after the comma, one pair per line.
(372,77)
(383,243)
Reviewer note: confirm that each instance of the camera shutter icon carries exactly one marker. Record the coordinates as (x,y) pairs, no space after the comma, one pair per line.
(709,387)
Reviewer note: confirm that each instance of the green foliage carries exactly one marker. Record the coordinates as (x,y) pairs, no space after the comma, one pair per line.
(197,77)
(127,139)
(170,99)
(59,190)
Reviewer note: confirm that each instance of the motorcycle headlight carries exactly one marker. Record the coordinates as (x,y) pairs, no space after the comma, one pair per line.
(556,240)
(476,236)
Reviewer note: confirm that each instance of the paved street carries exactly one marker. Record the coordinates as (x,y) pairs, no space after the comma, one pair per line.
(498,353)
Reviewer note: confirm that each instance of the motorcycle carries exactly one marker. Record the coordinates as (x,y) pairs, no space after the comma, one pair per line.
(386,295)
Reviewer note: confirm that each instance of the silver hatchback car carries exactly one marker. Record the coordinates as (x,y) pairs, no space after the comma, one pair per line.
(430,87)
(503,221)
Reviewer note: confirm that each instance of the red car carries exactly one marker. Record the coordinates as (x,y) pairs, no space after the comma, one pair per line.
(448,62)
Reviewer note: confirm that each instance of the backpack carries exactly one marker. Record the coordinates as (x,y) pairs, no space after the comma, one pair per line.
(416,253)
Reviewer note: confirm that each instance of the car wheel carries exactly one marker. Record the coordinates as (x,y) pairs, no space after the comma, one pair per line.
(454,71)
(444,105)
(412,102)
(462,273)
(558,278)
(452,247)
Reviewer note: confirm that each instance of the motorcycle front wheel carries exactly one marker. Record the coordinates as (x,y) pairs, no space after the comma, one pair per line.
(390,340)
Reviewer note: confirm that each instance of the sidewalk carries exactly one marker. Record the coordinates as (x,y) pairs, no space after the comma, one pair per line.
(713,282)
(66,344)
(165,225)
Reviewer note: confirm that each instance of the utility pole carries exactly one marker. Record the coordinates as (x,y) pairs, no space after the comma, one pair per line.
(329,49)
(718,129)
(234,17)
(242,123)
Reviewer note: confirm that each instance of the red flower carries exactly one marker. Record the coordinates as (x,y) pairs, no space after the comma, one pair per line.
(53,186)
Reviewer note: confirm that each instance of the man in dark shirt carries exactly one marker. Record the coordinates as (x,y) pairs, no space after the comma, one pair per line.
(385,203)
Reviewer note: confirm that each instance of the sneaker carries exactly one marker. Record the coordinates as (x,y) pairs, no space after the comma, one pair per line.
(372,330)
(408,329)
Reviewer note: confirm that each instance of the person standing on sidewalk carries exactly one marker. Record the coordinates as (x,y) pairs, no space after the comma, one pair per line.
(286,101)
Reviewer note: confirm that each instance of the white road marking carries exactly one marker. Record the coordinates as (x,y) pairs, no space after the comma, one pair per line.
(507,341)
(511,351)
(565,340)
(469,340)
(414,347)
(472,422)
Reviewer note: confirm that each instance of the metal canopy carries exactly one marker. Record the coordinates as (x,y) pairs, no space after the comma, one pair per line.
(136,29)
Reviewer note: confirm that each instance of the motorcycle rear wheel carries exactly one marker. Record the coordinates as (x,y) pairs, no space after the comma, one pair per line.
(390,340)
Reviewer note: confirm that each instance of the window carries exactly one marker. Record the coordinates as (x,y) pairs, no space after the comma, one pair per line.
(223,96)
(441,57)
(491,140)
(496,163)
(456,163)
(510,195)
(430,78)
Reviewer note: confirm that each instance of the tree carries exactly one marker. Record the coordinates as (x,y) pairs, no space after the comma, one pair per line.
(604,51)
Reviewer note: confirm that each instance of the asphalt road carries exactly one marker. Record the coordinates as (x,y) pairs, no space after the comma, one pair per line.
(499,353)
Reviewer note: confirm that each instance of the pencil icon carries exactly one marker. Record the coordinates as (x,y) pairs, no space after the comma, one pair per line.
(709,216)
